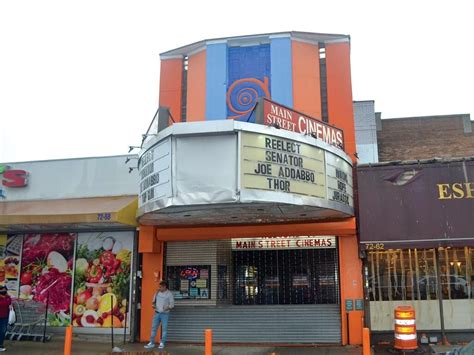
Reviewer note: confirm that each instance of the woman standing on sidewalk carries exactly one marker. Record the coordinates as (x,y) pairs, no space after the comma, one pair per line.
(5,302)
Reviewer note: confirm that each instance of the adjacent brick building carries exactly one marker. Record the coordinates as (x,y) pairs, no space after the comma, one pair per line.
(414,138)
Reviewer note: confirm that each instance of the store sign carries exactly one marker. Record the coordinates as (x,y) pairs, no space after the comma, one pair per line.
(154,168)
(421,205)
(12,178)
(282,243)
(278,164)
(285,118)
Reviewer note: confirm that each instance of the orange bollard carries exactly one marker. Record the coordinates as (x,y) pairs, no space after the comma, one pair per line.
(405,329)
(366,341)
(208,342)
(68,341)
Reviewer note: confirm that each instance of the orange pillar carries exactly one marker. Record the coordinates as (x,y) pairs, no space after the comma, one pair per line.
(351,288)
(208,342)
(171,77)
(366,342)
(152,261)
(339,90)
(68,341)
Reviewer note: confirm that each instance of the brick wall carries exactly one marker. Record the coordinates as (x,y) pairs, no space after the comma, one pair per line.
(427,137)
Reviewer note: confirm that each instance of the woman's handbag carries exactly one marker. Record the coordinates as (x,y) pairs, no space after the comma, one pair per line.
(11,316)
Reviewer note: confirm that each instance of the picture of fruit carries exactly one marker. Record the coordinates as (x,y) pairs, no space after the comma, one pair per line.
(112,320)
(79,310)
(57,261)
(93,303)
(124,256)
(26,278)
(81,266)
(108,302)
(103,271)
(46,273)
(25,290)
(89,318)
(83,297)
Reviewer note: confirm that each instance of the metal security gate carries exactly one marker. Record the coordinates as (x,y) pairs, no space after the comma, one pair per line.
(255,296)
(310,324)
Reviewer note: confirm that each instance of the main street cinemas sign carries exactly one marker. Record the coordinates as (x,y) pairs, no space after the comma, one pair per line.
(219,172)
(284,243)
(273,114)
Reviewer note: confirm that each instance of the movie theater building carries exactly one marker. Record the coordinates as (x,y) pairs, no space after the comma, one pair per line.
(246,201)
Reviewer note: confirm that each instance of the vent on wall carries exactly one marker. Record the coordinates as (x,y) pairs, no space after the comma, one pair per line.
(184,90)
(323,82)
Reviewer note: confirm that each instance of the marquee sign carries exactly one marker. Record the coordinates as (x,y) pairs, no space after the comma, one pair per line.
(218,172)
(283,243)
(276,164)
(285,118)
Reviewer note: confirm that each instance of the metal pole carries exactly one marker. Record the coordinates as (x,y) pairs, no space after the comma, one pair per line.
(112,318)
(125,329)
(45,318)
(440,298)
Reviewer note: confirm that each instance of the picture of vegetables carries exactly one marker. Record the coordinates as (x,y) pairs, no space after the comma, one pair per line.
(46,273)
(102,279)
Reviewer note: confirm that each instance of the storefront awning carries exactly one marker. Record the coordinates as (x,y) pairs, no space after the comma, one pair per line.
(424,204)
(80,214)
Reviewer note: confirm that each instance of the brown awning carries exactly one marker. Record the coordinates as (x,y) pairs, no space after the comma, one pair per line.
(80,213)
(416,205)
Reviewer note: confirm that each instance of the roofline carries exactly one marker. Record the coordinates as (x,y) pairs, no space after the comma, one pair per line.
(173,53)
(428,116)
(414,162)
(62,159)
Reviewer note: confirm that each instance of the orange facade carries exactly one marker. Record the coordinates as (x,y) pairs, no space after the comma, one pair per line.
(196,98)
(151,245)
(339,89)
(306,95)
(170,86)
(306,80)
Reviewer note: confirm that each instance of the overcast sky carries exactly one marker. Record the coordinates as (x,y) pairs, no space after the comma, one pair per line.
(81,78)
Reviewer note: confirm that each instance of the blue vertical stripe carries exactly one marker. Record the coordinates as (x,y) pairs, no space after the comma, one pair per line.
(281,71)
(216,81)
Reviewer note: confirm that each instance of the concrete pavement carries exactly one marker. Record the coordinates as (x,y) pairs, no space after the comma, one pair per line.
(83,347)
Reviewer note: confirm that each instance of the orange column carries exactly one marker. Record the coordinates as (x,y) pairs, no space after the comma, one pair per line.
(196,90)
(351,288)
(152,260)
(339,90)
(171,77)
(306,78)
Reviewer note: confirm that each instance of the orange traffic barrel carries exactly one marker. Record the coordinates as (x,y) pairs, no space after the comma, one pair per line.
(405,328)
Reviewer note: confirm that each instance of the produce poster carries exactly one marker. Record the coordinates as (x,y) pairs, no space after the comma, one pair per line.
(102,279)
(10,262)
(46,272)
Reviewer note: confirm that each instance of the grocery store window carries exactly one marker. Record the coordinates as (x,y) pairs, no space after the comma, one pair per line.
(286,277)
(411,274)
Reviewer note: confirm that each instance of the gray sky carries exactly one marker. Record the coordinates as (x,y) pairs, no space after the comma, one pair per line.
(81,78)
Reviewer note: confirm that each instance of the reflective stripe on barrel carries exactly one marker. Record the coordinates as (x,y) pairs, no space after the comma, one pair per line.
(405,328)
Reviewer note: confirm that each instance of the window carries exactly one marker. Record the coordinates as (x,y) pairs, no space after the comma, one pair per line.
(411,274)
(190,281)
(286,277)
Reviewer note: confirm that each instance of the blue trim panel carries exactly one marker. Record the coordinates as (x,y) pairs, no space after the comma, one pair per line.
(216,81)
(281,71)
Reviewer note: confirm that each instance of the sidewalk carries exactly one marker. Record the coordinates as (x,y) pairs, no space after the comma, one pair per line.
(82,347)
